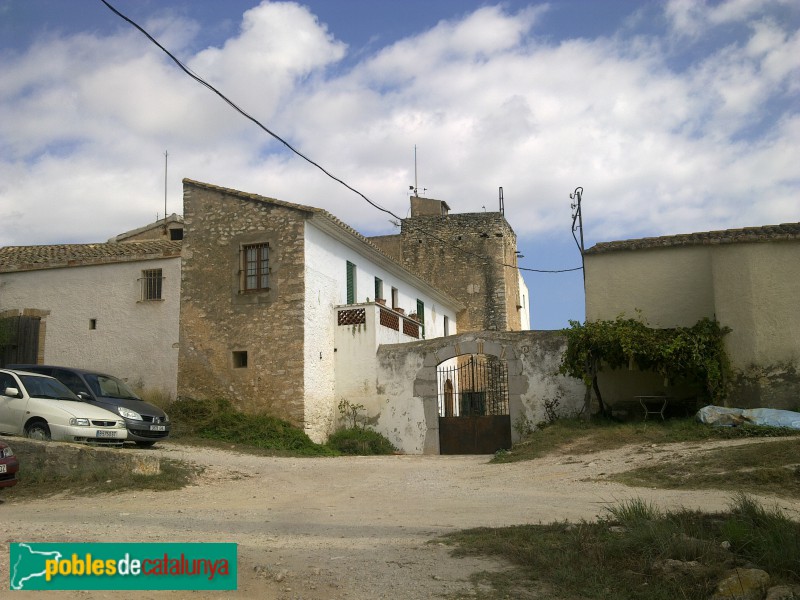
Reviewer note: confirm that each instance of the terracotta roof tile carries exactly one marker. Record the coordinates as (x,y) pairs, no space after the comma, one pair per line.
(766,233)
(27,258)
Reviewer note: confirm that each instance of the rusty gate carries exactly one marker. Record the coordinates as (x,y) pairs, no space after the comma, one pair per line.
(473,405)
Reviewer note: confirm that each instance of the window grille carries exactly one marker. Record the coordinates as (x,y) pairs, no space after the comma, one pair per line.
(353,316)
(411,328)
(152,284)
(390,320)
(256,267)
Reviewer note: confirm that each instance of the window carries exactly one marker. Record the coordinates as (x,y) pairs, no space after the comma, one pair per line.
(351,283)
(446,326)
(240,359)
(378,288)
(151,284)
(175,234)
(395,299)
(92,323)
(255,267)
(421,315)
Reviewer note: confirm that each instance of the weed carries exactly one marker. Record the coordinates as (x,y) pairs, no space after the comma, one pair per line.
(360,441)
(349,413)
(219,420)
(107,472)
(637,551)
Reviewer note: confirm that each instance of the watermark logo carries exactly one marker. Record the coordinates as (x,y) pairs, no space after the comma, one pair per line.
(141,566)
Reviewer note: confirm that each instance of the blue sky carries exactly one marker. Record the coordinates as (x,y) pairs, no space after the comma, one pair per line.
(674,116)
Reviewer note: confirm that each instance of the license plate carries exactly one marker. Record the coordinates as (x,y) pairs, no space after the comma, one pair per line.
(158,427)
(2,468)
(106,434)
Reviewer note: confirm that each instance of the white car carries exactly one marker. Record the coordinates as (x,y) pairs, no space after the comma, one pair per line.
(43,408)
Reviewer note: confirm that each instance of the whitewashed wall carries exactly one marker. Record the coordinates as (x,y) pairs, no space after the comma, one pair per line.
(525,303)
(346,373)
(136,341)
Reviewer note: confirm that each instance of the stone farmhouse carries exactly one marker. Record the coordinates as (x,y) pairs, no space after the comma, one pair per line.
(749,279)
(278,307)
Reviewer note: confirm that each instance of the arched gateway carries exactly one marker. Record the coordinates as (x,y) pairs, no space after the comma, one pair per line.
(420,386)
(469,386)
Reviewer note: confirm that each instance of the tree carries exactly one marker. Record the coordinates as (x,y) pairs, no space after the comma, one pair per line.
(694,353)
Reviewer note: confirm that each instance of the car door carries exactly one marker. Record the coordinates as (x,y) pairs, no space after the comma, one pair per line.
(12,410)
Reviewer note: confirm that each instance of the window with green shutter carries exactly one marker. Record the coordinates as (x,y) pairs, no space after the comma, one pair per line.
(378,288)
(351,283)
(421,315)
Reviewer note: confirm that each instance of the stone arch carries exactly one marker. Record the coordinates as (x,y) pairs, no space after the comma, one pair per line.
(425,383)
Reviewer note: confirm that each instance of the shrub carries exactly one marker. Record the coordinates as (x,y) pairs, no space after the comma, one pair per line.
(219,420)
(358,441)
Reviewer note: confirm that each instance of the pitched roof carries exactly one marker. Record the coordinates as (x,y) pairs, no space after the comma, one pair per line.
(301,207)
(161,223)
(336,227)
(766,233)
(30,258)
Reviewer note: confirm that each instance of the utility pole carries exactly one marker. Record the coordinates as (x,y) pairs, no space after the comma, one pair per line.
(577,225)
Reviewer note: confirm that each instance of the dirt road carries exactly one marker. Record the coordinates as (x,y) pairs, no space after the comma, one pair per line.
(336,528)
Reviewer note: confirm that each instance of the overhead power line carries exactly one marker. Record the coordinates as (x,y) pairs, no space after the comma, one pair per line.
(294,150)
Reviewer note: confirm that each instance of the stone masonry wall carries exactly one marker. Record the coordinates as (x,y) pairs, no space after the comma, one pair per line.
(463,254)
(217,319)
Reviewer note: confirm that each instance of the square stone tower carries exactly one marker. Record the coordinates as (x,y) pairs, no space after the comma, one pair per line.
(470,256)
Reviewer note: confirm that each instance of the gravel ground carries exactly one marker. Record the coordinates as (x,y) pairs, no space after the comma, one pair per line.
(338,528)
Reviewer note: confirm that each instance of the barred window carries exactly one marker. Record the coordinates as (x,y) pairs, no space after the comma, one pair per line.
(255,267)
(152,284)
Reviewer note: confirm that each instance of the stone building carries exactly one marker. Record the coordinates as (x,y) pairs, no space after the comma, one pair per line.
(278,306)
(471,256)
(748,279)
(111,307)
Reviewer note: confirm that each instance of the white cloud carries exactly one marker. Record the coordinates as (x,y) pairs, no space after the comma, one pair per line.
(486,100)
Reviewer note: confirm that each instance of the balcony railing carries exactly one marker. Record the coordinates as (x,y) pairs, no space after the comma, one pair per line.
(388,318)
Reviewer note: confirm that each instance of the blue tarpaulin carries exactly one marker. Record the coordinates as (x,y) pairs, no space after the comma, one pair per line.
(719,416)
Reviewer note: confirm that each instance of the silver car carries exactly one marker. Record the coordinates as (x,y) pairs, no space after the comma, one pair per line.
(42,408)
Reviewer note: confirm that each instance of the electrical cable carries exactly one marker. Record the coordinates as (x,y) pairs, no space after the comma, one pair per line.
(233,105)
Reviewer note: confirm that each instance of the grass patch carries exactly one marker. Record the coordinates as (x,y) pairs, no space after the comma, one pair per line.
(578,436)
(39,479)
(360,441)
(767,468)
(637,552)
(218,420)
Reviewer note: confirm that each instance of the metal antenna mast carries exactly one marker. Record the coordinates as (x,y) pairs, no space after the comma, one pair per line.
(166,157)
(416,193)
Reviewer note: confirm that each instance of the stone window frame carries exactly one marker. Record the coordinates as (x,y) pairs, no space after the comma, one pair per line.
(262,265)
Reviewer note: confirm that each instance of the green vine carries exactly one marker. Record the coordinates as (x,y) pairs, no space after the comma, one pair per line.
(694,353)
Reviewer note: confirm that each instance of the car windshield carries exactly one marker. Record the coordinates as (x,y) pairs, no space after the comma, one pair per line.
(46,387)
(110,387)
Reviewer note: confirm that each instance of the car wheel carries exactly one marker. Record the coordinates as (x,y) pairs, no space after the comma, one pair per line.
(38,430)
(144,444)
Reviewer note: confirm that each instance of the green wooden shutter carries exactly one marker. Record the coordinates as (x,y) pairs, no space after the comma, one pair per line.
(421,315)
(351,283)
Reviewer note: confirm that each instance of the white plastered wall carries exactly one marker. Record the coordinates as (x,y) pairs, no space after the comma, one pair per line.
(134,340)
(332,373)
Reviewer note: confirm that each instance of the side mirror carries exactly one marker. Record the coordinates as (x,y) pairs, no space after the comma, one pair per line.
(12,392)
(83,396)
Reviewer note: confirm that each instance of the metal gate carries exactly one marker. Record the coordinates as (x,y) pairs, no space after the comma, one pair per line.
(19,340)
(473,405)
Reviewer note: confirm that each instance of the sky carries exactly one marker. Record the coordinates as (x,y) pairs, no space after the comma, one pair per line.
(673,117)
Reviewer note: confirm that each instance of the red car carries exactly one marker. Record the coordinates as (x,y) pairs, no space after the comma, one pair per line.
(9,465)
